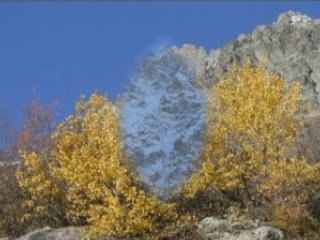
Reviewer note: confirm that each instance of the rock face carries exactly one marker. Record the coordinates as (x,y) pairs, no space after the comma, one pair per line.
(163,110)
(226,229)
(290,46)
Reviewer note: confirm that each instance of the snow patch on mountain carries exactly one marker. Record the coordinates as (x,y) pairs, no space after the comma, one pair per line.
(292,17)
(163,117)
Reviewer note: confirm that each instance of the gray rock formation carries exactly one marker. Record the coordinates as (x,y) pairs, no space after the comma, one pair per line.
(310,138)
(227,229)
(290,46)
(68,233)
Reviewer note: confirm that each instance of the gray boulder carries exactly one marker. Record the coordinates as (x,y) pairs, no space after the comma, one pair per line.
(67,233)
(227,229)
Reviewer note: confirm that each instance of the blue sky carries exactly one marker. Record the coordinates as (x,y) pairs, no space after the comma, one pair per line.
(62,50)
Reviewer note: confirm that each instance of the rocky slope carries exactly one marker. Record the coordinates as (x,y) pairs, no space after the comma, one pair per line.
(163,110)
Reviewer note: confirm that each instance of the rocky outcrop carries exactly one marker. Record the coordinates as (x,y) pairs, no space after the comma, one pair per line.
(290,46)
(226,229)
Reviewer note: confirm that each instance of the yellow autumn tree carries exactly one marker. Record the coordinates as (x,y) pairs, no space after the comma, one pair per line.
(101,187)
(251,149)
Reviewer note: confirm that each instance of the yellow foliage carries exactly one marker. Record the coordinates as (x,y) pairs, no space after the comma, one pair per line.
(100,187)
(44,198)
(253,125)
(251,120)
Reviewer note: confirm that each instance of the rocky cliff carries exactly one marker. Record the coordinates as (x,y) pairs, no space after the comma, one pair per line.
(290,46)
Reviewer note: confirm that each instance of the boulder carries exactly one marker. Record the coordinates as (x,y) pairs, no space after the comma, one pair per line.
(228,229)
(47,233)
